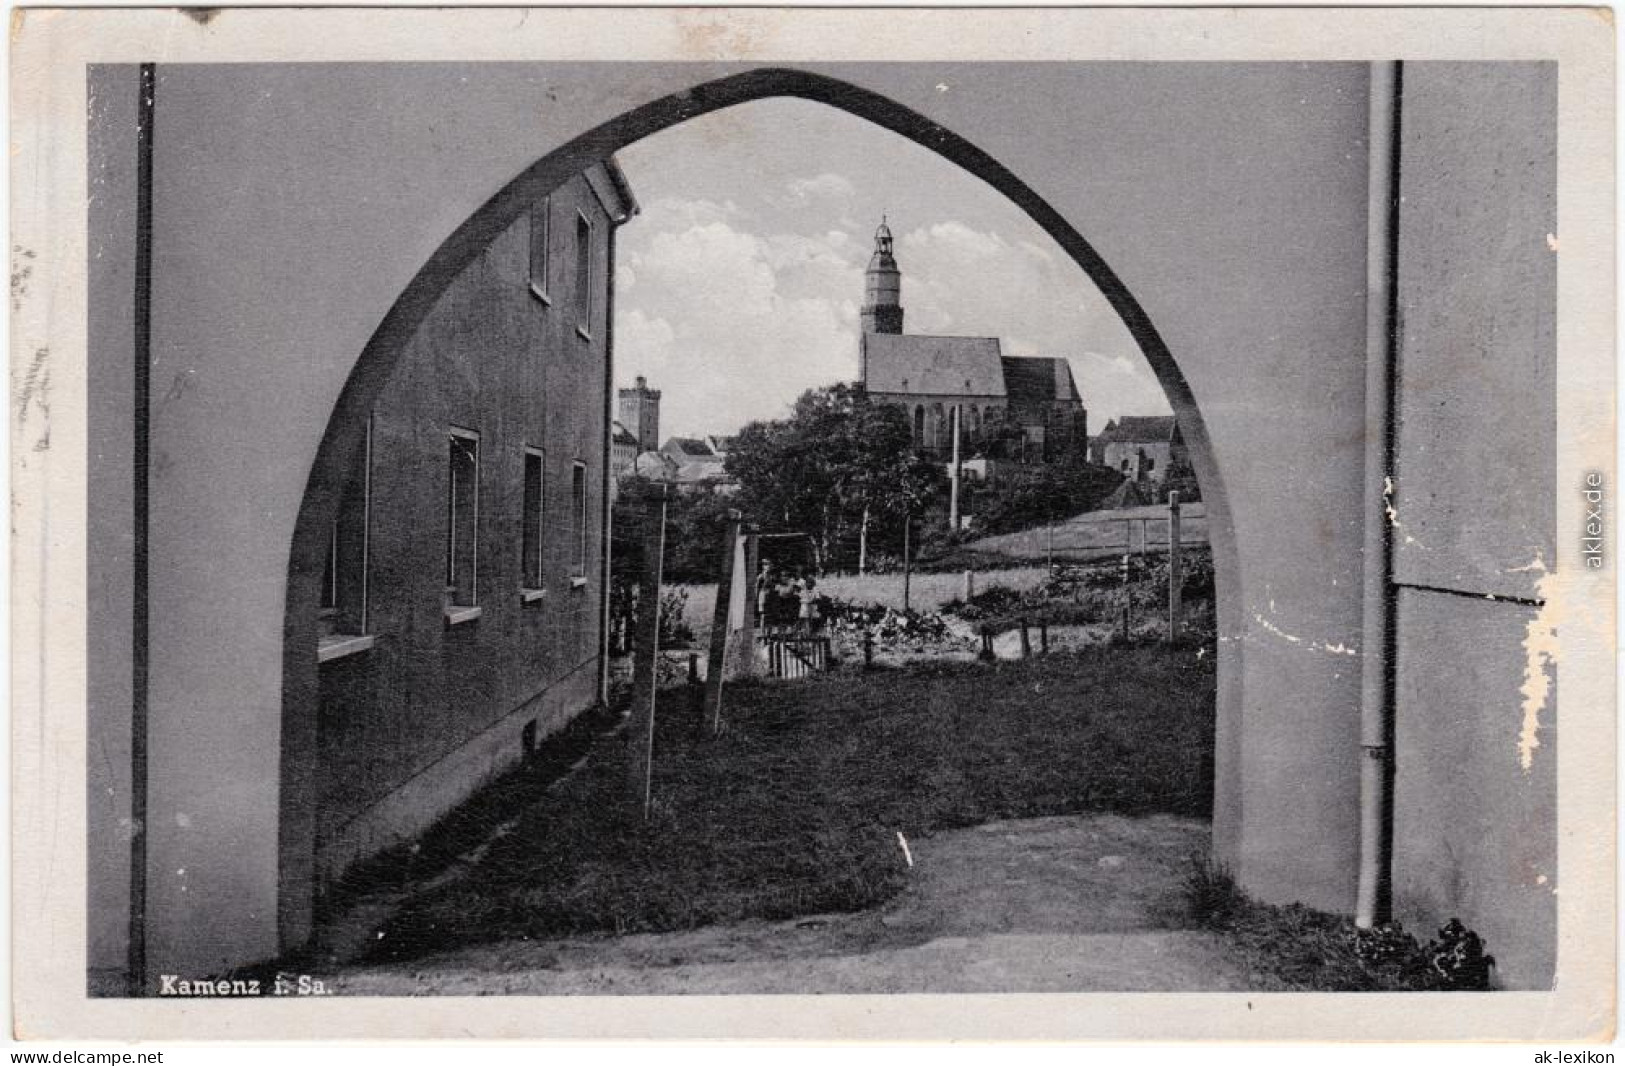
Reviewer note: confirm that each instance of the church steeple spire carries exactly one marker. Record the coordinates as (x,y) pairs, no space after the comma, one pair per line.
(883,287)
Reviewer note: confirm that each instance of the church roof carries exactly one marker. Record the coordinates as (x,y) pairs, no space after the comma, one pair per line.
(689,446)
(622,435)
(1140,429)
(1038,379)
(918,364)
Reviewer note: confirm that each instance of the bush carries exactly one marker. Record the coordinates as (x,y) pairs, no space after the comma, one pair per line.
(1296,948)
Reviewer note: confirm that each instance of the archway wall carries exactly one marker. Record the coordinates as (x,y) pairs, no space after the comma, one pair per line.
(293,204)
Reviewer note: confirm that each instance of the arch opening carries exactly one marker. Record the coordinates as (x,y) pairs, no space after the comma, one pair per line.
(346,435)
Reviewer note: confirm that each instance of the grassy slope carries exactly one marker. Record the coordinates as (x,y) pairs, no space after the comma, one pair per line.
(796,809)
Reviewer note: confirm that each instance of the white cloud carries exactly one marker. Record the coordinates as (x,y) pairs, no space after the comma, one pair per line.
(823,187)
(734,305)
(730,325)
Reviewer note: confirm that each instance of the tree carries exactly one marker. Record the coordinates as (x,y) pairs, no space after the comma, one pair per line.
(838,463)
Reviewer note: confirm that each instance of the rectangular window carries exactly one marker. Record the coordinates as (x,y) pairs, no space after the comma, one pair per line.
(343,613)
(462,520)
(578,498)
(541,217)
(583,292)
(531,522)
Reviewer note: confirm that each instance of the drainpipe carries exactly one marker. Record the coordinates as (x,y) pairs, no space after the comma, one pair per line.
(1373,898)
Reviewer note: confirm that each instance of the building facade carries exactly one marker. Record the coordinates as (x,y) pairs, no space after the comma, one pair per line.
(462,601)
(623,452)
(1008,407)
(1140,447)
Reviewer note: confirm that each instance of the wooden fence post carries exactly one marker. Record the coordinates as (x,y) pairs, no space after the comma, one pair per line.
(1175,579)
(646,649)
(745,654)
(719,624)
(908,520)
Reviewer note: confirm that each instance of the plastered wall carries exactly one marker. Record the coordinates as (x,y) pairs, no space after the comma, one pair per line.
(293,205)
(1474,515)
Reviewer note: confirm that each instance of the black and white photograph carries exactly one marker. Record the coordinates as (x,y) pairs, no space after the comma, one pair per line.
(570,507)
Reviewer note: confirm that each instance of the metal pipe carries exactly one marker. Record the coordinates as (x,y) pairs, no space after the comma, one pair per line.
(1373,894)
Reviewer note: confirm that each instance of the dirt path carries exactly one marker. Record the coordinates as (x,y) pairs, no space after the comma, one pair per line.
(1085,903)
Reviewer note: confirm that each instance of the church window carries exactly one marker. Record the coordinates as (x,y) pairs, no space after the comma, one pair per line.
(541,218)
(462,523)
(583,293)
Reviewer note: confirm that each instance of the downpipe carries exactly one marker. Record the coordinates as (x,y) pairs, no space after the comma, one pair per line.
(1373,898)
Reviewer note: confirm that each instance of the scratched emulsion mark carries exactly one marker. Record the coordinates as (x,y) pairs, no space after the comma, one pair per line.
(1540,658)
(34,392)
(1329,648)
(21,271)
(1393,515)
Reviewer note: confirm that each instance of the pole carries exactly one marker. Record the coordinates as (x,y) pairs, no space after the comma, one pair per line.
(719,622)
(1175,580)
(1049,546)
(863,542)
(953,478)
(1373,900)
(907,521)
(745,653)
(646,642)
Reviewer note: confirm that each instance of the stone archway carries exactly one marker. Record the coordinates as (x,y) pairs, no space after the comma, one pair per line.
(345,427)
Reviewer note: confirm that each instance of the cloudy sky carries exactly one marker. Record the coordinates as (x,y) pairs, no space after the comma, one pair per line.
(739,284)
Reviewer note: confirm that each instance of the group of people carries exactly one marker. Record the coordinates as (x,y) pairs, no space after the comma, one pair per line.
(786,597)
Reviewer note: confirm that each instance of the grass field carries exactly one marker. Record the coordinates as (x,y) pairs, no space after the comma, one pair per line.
(797,808)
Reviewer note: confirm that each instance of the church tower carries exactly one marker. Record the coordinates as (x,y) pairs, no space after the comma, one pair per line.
(883,286)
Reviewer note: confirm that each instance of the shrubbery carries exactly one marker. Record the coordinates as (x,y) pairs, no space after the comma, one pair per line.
(1296,948)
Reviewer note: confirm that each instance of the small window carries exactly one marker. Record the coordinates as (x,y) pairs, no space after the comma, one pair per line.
(462,519)
(583,292)
(541,216)
(343,606)
(578,500)
(531,523)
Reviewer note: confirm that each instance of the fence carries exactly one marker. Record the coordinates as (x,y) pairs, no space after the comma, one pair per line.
(1101,534)
(794,657)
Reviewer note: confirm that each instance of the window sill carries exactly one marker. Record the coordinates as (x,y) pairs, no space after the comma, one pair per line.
(532,595)
(339,645)
(578,582)
(581,332)
(456,616)
(541,294)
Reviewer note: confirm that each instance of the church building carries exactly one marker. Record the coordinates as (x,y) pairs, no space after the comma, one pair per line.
(1010,407)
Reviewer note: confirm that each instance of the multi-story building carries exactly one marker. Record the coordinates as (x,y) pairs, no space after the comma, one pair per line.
(461,613)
